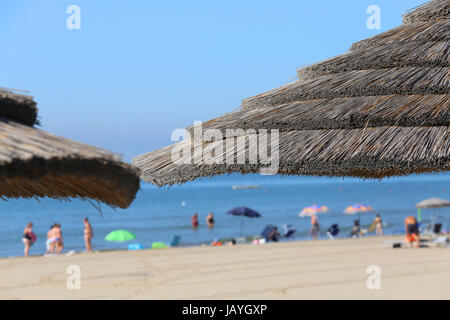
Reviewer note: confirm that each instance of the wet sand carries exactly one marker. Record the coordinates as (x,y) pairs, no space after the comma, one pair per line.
(325,269)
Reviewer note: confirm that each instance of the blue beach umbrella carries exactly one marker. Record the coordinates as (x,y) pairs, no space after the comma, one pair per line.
(243,212)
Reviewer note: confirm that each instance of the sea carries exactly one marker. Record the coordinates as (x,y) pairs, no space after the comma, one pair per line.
(159,214)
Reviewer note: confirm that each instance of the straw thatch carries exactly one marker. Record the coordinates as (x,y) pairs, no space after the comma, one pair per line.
(18,107)
(383,109)
(427,54)
(341,113)
(370,152)
(403,81)
(416,33)
(34,163)
(432,11)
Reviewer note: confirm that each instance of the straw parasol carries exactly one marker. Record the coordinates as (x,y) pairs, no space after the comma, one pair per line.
(380,110)
(35,163)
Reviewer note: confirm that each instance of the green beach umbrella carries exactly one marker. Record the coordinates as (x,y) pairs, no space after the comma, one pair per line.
(120,236)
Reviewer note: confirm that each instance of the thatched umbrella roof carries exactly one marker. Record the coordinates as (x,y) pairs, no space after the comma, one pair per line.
(382,109)
(35,163)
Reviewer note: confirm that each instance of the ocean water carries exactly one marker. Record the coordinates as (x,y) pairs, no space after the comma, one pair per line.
(158,214)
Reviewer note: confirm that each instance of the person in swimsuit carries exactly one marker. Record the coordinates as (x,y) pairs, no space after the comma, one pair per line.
(412,231)
(194,220)
(88,234)
(314,227)
(210,220)
(378,225)
(59,245)
(28,238)
(50,243)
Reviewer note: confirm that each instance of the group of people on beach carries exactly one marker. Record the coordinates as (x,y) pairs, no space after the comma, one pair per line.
(377,226)
(54,243)
(209,220)
(411,229)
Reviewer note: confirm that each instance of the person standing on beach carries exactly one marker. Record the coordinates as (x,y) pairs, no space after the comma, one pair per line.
(88,234)
(50,243)
(28,238)
(314,227)
(412,231)
(194,220)
(210,220)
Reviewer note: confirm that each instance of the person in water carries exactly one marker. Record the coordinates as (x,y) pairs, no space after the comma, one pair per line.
(210,220)
(194,220)
(378,225)
(314,227)
(412,231)
(28,238)
(88,234)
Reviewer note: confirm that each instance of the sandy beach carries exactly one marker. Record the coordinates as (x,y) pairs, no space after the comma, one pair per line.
(325,269)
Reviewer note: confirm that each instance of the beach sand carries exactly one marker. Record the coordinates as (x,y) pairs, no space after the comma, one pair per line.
(325,269)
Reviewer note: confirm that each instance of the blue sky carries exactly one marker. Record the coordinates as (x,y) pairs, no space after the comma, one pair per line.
(137,70)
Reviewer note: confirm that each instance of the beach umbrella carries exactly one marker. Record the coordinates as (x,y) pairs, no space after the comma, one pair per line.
(379,110)
(243,212)
(431,203)
(314,209)
(357,209)
(120,236)
(35,163)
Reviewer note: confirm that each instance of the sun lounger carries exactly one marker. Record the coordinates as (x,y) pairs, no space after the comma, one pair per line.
(175,241)
(441,241)
(433,231)
(288,230)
